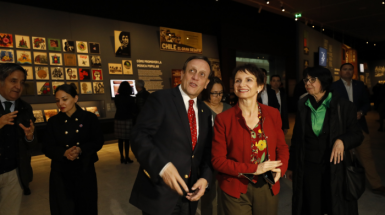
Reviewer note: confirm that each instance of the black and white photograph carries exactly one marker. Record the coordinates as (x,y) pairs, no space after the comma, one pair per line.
(68,45)
(115,69)
(122,43)
(98,87)
(96,61)
(57,73)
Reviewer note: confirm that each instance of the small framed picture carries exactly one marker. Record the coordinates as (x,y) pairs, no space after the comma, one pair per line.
(57,73)
(40,58)
(43,88)
(55,59)
(22,42)
(7,56)
(122,43)
(29,73)
(41,73)
(81,47)
(85,88)
(69,59)
(24,57)
(83,60)
(84,74)
(6,40)
(96,61)
(115,68)
(127,67)
(76,84)
(94,48)
(68,45)
(71,74)
(97,74)
(29,88)
(54,44)
(55,84)
(38,114)
(98,87)
(39,43)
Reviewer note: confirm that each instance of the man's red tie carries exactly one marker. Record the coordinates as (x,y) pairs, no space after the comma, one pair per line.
(193,123)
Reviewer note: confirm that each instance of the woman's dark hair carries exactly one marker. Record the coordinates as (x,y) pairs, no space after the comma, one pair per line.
(68,88)
(206,92)
(323,75)
(125,88)
(252,69)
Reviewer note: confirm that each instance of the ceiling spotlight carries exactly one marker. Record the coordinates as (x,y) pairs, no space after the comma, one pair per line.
(267,2)
(383,2)
(367,42)
(296,19)
(374,44)
(323,29)
(312,26)
(283,9)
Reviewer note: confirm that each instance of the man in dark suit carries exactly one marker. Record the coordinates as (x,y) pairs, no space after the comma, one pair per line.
(275,83)
(356,93)
(16,138)
(172,142)
(268,96)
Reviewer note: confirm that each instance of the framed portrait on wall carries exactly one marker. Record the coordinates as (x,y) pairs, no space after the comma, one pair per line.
(24,57)
(127,67)
(40,58)
(68,45)
(54,44)
(115,69)
(29,72)
(97,74)
(57,73)
(29,88)
(98,87)
(39,43)
(305,64)
(122,43)
(83,60)
(7,56)
(41,73)
(75,84)
(96,61)
(85,88)
(81,47)
(38,114)
(71,73)
(43,88)
(6,40)
(69,59)
(55,84)
(22,42)
(55,59)
(84,74)
(94,48)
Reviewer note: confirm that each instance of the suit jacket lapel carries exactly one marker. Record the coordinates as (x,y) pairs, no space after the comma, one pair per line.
(181,109)
(343,91)
(201,122)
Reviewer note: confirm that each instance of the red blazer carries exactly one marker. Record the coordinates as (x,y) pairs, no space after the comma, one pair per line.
(231,148)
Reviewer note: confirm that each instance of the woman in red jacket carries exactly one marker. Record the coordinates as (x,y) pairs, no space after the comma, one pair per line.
(248,139)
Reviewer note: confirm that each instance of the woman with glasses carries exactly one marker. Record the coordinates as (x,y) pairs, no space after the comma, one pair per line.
(325,127)
(249,144)
(212,97)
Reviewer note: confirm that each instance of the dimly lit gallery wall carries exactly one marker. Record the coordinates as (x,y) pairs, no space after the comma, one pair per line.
(33,21)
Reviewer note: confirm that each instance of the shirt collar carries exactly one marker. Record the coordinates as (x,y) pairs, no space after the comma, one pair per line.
(346,83)
(185,97)
(2,99)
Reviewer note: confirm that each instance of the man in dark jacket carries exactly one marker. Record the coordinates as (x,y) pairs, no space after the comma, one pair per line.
(16,138)
(142,95)
(355,92)
(275,81)
(268,96)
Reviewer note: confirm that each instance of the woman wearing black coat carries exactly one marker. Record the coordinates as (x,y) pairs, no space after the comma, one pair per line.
(318,144)
(125,110)
(72,139)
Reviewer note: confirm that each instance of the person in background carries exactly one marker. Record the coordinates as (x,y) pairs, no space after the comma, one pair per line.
(355,92)
(268,96)
(248,139)
(72,139)
(142,95)
(325,128)
(125,110)
(17,138)
(212,97)
(275,83)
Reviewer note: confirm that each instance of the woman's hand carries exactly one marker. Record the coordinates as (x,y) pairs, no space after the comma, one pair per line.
(71,153)
(337,152)
(276,173)
(289,174)
(267,166)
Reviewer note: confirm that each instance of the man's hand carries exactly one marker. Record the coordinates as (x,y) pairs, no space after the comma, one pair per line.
(71,153)
(199,189)
(172,179)
(7,119)
(359,115)
(337,152)
(28,131)
(277,174)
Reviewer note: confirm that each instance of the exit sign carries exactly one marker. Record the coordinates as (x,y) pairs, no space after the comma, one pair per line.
(297,15)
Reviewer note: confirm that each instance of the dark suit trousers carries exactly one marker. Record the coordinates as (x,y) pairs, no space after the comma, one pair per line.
(181,208)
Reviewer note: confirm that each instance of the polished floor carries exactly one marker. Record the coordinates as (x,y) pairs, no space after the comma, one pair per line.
(115,181)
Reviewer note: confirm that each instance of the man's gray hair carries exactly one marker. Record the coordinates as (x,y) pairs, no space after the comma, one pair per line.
(8,68)
(140,83)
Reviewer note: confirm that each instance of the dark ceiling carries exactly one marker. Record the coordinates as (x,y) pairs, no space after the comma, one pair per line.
(359,18)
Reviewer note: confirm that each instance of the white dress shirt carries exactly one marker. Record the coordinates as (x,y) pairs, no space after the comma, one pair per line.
(279,99)
(349,89)
(264,97)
